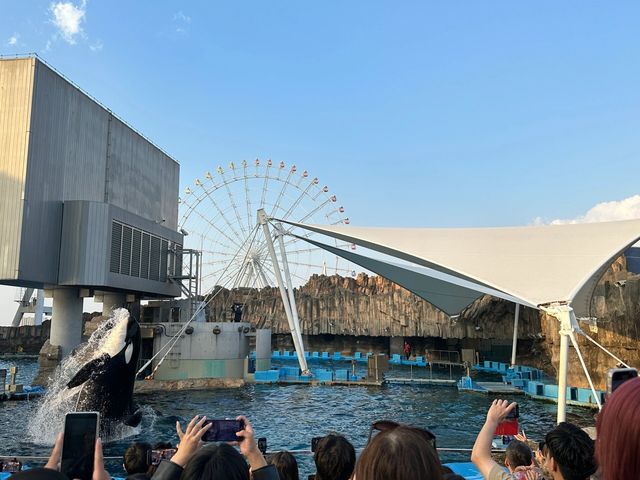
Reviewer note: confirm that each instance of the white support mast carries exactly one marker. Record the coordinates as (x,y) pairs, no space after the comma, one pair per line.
(514,347)
(568,324)
(287,277)
(297,338)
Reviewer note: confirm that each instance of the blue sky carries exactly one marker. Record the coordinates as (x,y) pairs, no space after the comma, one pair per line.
(414,113)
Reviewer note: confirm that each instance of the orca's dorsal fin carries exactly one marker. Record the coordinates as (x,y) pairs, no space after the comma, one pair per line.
(85,372)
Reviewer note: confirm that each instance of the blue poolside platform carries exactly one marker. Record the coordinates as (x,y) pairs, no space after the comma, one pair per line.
(27,393)
(532,382)
(292,375)
(360,357)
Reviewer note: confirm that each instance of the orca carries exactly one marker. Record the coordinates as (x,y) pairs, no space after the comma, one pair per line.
(107,381)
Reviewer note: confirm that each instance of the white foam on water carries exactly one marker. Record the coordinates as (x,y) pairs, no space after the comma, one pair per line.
(48,418)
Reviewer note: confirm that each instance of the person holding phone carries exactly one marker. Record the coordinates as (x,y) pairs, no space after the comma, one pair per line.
(52,469)
(218,461)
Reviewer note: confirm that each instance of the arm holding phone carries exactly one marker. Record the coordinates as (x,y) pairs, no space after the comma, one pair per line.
(191,441)
(249,446)
(481,454)
(99,472)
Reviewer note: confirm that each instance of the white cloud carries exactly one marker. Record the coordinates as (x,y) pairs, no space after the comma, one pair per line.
(68,18)
(13,40)
(625,209)
(96,47)
(181,22)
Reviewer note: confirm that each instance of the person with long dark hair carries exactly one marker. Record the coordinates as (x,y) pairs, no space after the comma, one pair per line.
(400,453)
(217,461)
(286,465)
(618,439)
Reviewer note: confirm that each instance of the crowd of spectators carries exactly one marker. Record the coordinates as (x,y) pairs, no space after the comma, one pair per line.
(393,452)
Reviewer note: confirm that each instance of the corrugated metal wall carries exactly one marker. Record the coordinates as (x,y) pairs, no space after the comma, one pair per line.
(67,161)
(16,86)
(85,242)
(58,145)
(140,177)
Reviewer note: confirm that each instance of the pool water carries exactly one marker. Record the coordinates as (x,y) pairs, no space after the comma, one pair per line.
(289,416)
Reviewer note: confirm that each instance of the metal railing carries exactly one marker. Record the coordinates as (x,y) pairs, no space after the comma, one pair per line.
(443,356)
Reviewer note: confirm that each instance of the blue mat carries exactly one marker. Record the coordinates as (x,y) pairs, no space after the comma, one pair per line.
(467,469)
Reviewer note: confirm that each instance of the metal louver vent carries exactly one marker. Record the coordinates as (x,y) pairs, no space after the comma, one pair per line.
(125,259)
(136,253)
(116,247)
(154,264)
(164,254)
(144,257)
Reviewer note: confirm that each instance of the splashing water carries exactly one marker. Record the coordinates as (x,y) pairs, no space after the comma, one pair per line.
(49,415)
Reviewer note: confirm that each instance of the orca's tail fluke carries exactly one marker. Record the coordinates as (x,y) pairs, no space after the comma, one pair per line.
(134,419)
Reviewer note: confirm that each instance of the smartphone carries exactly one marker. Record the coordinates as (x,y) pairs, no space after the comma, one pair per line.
(223,431)
(617,376)
(156,456)
(262,445)
(510,424)
(78,446)
(314,443)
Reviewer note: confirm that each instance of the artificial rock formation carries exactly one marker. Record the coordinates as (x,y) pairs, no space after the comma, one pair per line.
(616,305)
(332,308)
(370,306)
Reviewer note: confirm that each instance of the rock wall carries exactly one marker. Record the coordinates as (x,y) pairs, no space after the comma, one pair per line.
(616,304)
(27,339)
(371,306)
(366,312)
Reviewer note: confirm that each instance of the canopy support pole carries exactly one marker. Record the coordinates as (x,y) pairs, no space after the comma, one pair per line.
(287,277)
(264,221)
(514,347)
(568,325)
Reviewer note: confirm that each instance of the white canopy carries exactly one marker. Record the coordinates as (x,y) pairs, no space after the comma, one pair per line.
(534,266)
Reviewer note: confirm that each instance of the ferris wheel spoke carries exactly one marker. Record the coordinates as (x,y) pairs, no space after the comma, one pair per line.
(247,195)
(316,210)
(337,269)
(211,263)
(217,253)
(265,184)
(301,250)
(220,211)
(214,275)
(237,281)
(263,276)
(285,184)
(215,227)
(233,203)
(265,269)
(298,200)
(294,239)
(302,264)
(302,279)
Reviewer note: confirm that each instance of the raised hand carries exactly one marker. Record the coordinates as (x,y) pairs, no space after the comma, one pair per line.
(248,445)
(190,439)
(499,410)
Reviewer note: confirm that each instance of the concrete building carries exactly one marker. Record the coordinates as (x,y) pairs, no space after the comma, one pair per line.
(88,206)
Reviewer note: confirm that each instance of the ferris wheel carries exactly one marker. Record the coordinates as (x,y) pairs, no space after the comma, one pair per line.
(219,218)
